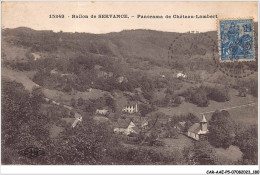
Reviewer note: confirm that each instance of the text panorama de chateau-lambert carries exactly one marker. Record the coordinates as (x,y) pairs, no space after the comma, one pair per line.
(143,16)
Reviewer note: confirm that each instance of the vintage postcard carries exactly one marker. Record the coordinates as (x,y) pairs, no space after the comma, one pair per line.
(130,83)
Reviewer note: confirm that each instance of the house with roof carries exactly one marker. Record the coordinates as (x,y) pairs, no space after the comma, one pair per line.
(102,111)
(181,75)
(198,129)
(126,128)
(122,79)
(130,109)
(101,73)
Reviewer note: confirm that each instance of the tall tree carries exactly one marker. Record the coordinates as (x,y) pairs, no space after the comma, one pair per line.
(221,129)
(204,154)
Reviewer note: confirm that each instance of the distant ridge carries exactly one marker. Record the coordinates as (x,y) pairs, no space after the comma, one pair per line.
(128,45)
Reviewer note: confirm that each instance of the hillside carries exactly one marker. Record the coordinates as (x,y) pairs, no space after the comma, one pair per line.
(140,44)
(122,94)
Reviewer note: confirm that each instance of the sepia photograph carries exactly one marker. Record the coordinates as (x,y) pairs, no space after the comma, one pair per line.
(129,83)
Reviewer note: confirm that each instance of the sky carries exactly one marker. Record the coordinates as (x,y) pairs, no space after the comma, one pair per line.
(35,15)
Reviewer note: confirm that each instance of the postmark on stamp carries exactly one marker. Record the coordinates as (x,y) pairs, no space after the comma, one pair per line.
(236,40)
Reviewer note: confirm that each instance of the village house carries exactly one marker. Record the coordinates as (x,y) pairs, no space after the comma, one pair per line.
(130,109)
(126,131)
(181,76)
(126,127)
(104,74)
(102,111)
(101,73)
(131,126)
(36,56)
(198,129)
(122,79)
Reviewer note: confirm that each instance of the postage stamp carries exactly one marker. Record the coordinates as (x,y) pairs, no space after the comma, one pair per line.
(236,40)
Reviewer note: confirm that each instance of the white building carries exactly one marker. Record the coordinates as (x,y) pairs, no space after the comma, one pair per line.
(130,109)
(198,129)
(181,75)
(78,118)
(129,130)
(102,111)
(122,79)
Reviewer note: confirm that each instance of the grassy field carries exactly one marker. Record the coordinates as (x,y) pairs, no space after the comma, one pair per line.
(19,77)
(171,145)
(177,144)
(65,98)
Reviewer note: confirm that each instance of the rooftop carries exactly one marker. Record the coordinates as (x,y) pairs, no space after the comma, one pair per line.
(195,128)
(203,119)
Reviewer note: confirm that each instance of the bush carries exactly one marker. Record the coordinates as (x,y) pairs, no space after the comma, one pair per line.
(80,101)
(145,109)
(177,100)
(218,94)
(199,97)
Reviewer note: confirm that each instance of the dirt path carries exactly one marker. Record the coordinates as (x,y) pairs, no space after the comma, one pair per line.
(77,115)
(233,107)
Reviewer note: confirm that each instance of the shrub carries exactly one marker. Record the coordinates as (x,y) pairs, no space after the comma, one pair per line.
(218,94)
(199,97)
(80,102)
(178,100)
(145,109)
